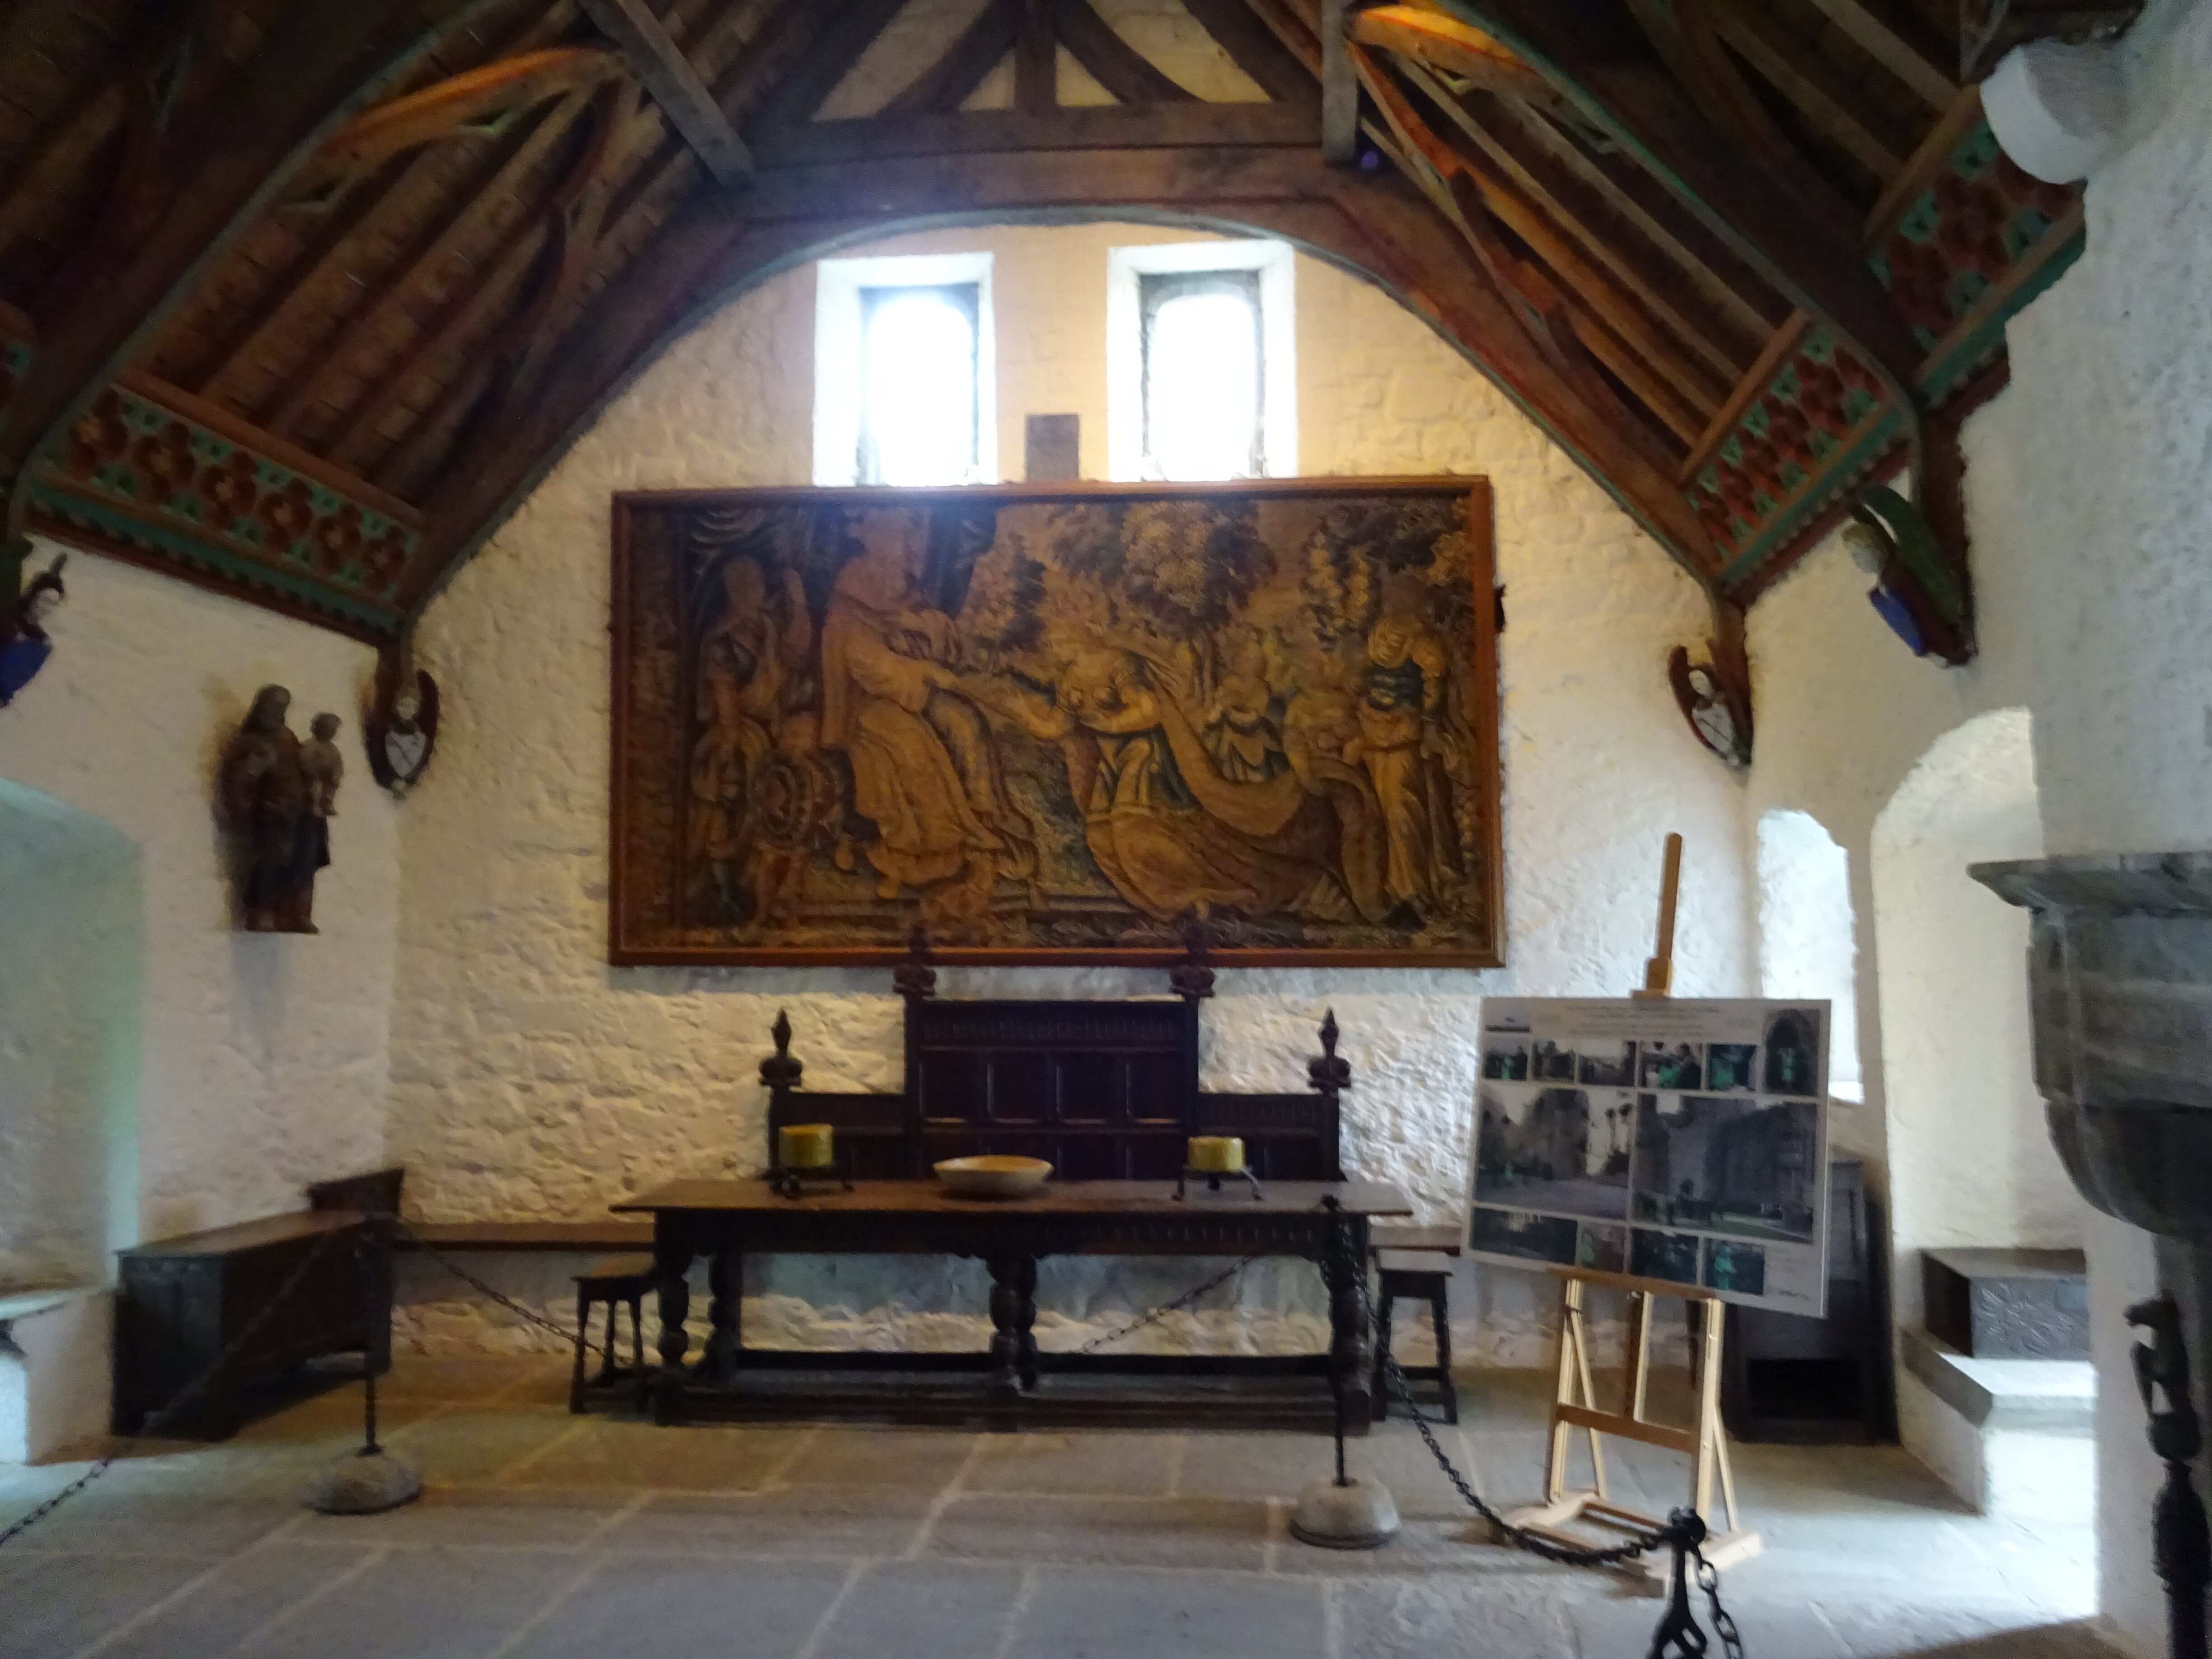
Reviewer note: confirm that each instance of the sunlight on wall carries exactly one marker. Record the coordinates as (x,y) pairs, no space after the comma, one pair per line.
(1808,943)
(1970,1161)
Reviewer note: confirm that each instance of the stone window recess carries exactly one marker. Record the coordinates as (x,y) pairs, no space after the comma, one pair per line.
(903,372)
(1201,361)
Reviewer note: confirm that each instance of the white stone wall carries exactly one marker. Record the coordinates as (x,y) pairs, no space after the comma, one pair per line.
(262,1058)
(69,954)
(530,1079)
(2091,521)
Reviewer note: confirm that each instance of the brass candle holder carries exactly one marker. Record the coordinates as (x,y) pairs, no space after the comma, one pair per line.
(808,1158)
(1213,1159)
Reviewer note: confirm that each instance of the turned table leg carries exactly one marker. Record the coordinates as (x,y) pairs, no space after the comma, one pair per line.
(1352,1345)
(672,1261)
(1014,1312)
(726,1292)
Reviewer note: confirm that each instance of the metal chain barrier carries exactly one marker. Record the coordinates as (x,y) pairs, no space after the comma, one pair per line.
(1684,1533)
(155,1420)
(1166,1308)
(477,1284)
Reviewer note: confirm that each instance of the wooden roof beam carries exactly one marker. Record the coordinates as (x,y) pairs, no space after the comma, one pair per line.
(1808,81)
(1816,267)
(1896,46)
(1254,46)
(1118,66)
(1687,393)
(669,79)
(1565,204)
(945,85)
(1340,86)
(317,61)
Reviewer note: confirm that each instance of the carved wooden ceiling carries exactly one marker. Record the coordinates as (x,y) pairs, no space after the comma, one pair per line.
(299,300)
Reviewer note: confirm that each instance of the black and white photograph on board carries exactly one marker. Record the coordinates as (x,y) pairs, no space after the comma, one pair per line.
(1672,1065)
(1731,1067)
(1608,1065)
(1793,1053)
(1671,1139)
(1727,1165)
(1524,1236)
(1740,1268)
(1602,1249)
(1565,1152)
(1672,1257)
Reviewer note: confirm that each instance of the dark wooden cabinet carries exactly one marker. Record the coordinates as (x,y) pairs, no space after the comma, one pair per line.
(1793,1380)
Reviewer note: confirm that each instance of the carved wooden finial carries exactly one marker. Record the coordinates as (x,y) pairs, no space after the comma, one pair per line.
(780,1070)
(915,978)
(1191,978)
(1328,1073)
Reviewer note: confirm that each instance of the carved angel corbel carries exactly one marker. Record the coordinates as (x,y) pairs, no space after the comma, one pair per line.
(1715,696)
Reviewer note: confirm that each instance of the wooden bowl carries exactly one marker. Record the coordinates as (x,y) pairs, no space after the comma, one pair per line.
(994,1174)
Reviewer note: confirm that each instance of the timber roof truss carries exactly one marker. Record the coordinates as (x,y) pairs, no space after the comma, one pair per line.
(299,301)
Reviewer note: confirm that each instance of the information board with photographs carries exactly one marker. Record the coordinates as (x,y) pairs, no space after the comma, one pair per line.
(1677,1140)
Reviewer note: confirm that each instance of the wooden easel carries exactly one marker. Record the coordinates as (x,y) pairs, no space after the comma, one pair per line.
(1574,1401)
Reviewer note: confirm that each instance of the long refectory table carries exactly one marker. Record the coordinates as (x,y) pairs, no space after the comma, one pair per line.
(1013,1381)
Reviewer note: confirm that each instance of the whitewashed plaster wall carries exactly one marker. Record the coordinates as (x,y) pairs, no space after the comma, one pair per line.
(530,1079)
(69,954)
(2091,521)
(261,1057)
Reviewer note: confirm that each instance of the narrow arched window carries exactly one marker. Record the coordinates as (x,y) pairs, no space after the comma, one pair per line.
(1205,388)
(919,398)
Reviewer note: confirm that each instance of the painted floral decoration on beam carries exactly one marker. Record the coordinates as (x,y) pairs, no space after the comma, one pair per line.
(129,452)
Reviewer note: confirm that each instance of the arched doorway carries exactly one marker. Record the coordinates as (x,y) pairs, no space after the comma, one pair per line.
(1970,1161)
(69,969)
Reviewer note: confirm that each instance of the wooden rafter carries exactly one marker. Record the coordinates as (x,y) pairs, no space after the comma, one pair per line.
(1254,47)
(1687,41)
(1037,59)
(839,34)
(316,61)
(667,76)
(1652,212)
(1799,252)
(520,150)
(1118,66)
(1809,81)
(1443,42)
(479,102)
(1106,126)
(1565,203)
(949,82)
(1339,86)
(1682,392)
(1892,40)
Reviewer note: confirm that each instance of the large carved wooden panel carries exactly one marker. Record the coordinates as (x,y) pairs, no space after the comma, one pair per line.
(1071,723)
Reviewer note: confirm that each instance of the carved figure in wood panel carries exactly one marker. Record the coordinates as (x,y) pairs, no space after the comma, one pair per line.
(1040,723)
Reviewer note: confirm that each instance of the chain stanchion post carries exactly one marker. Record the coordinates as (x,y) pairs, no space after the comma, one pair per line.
(1348,1512)
(371,1480)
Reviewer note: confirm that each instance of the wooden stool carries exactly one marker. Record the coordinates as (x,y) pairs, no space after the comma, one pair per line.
(1421,1274)
(617,1280)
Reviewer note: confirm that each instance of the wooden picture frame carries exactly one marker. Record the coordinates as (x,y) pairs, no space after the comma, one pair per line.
(809,790)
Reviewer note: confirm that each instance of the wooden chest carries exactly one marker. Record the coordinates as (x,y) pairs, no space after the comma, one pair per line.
(180,1301)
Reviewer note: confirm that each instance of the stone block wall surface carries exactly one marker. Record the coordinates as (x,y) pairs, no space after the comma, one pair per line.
(262,1058)
(529,1078)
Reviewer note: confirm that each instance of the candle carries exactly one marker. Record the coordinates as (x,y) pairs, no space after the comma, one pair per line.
(1216,1154)
(805,1145)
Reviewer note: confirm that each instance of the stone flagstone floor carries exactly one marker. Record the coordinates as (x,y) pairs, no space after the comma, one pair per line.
(542,1535)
